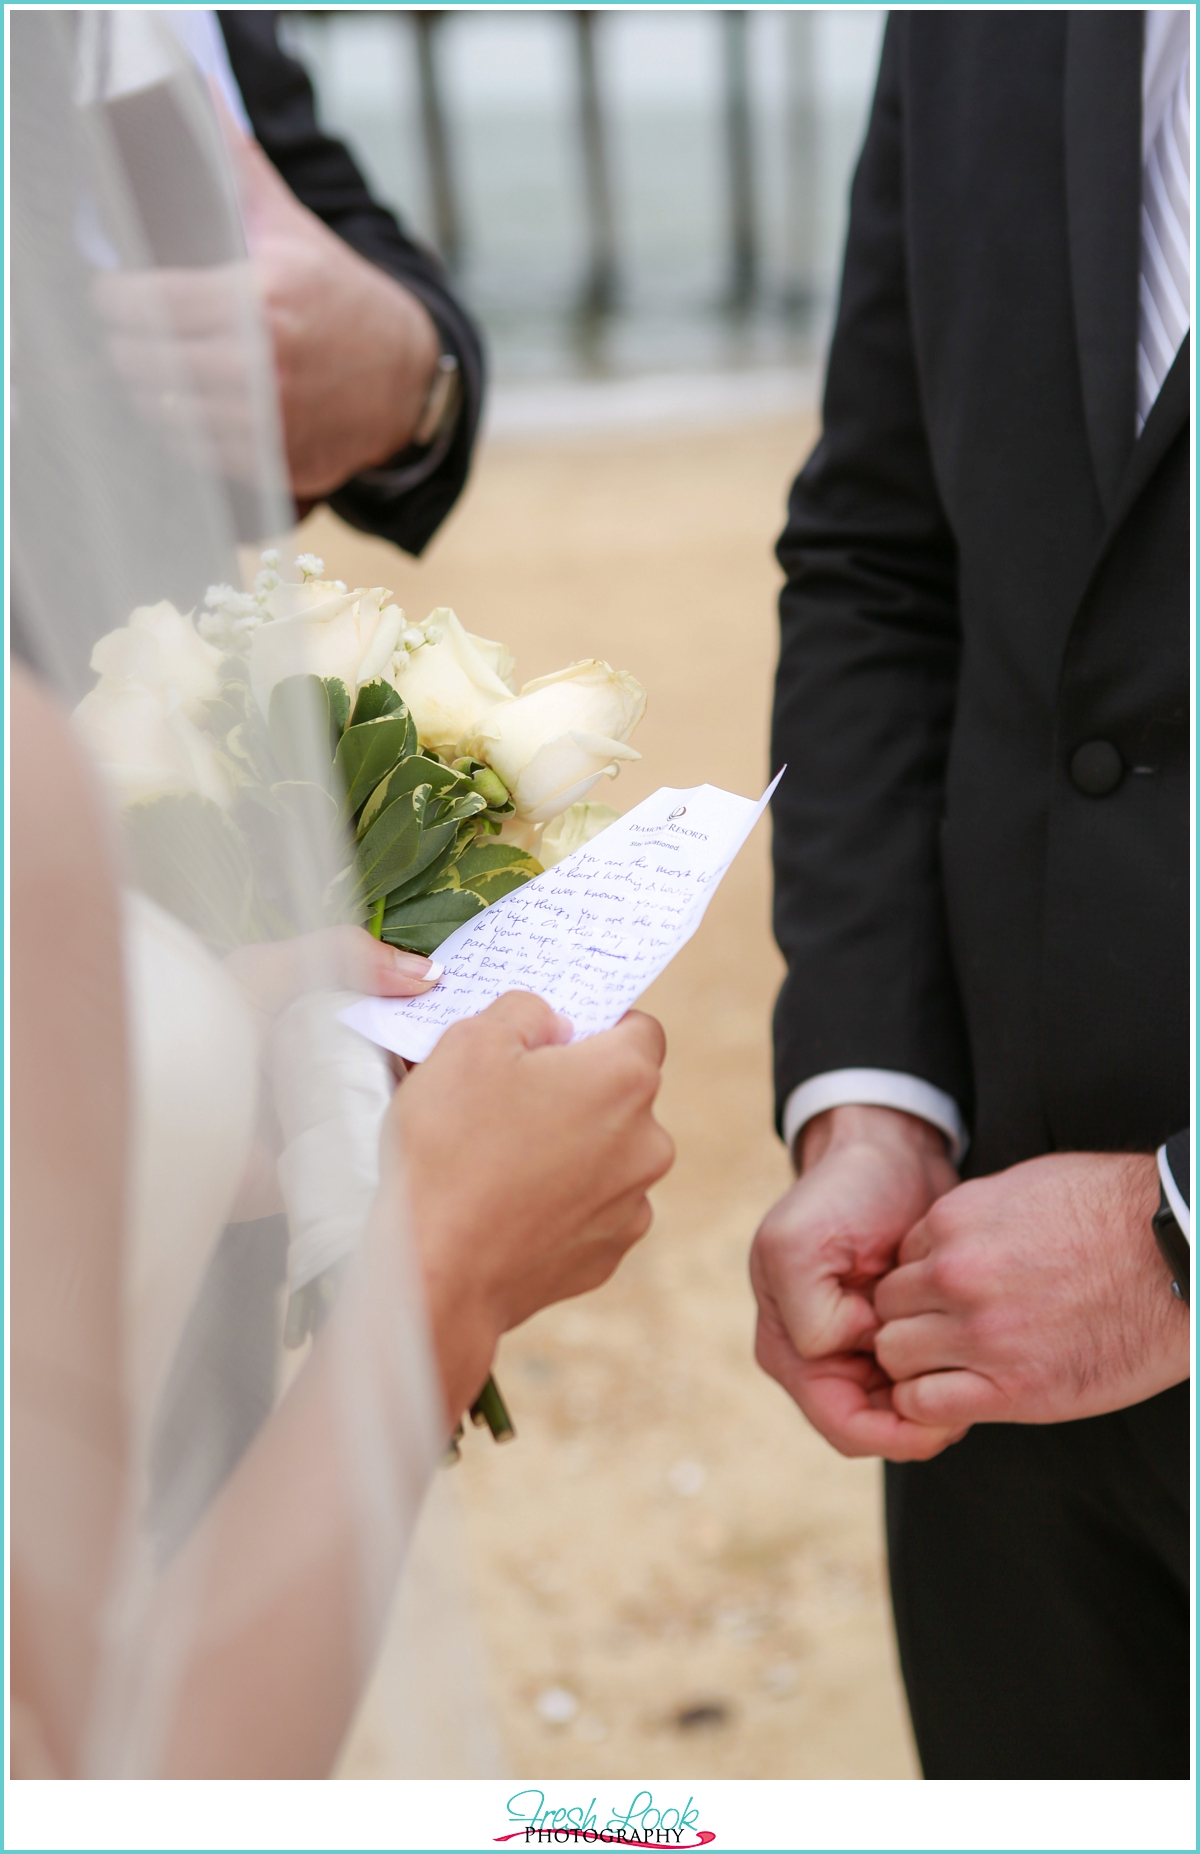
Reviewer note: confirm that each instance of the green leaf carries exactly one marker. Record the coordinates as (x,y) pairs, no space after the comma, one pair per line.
(437,849)
(376,698)
(490,888)
(300,724)
(421,925)
(225,711)
(411,772)
(444,805)
(489,870)
(389,849)
(191,858)
(306,846)
(308,804)
(247,746)
(485,861)
(367,752)
(339,706)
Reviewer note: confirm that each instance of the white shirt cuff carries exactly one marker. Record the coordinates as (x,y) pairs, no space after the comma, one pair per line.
(875,1088)
(1182,1214)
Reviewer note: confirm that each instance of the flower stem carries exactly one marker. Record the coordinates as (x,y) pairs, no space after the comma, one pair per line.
(375,924)
(489,1408)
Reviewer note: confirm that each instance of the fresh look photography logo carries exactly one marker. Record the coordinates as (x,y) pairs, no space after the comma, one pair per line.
(643,1824)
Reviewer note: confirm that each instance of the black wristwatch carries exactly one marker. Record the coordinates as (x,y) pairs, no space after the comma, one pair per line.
(1174,1247)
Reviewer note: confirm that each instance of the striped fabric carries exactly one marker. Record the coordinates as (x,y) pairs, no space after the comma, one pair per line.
(1165,267)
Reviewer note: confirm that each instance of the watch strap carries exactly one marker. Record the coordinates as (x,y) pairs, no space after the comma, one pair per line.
(441,401)
(1174,1248)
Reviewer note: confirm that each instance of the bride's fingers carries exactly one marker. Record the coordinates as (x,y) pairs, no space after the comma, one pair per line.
(356,961)
(645,1033)
(622,1223)
(338,958)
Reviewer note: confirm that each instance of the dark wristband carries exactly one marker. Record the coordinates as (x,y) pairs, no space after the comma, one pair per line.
(1174,1248)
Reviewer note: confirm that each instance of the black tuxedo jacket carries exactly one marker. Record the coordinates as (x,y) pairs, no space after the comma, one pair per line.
(986,573)
(322,174)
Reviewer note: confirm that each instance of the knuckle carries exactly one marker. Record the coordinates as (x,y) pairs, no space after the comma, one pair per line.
(661,1156)
(941,1219)
(917,1401)
(519,1007)
(463,1034)
(636,1086)
(888,1350)
(640,1222)
(635,1081)
(953,1272)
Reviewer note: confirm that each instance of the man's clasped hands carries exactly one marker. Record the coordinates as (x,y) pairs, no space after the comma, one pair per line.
(897,1306)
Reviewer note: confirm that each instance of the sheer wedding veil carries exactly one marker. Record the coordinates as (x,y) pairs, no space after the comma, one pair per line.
(240,1596)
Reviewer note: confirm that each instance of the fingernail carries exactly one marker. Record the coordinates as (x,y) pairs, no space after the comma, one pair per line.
(434,973)
(414,965)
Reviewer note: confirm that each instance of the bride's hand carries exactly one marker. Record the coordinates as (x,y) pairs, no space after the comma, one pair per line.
(272,975)
(528,1159)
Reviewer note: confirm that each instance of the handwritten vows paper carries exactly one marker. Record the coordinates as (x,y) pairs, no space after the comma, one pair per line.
(590,934)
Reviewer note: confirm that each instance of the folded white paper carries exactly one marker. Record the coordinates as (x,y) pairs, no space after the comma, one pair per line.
(590,934)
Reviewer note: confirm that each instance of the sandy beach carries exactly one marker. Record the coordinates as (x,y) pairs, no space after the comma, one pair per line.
(668,1570)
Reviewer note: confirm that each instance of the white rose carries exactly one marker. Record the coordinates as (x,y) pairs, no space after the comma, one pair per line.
(498,657)
(160,648)
(146,745)
(571,829)
(561,734)
(451,682)
(320,629)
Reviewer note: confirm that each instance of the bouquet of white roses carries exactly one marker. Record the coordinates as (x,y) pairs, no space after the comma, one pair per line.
(440,776)
(302,726)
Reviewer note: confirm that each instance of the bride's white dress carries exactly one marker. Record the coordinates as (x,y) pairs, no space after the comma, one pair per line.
(194,1073)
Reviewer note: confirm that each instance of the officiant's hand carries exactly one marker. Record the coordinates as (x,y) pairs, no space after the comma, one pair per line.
(1037,1295)
(355,352)
(867,1175)
(527,1160)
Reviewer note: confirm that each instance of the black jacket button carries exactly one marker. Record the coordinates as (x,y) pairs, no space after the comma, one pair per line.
(1096,768)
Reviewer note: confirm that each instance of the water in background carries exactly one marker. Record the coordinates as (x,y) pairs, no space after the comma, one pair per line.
(511,90)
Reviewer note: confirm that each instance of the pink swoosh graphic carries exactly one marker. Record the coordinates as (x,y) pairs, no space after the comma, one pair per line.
(704,1836)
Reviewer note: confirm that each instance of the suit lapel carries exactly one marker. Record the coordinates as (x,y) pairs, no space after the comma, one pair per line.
(1103,149)
(1168,416)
